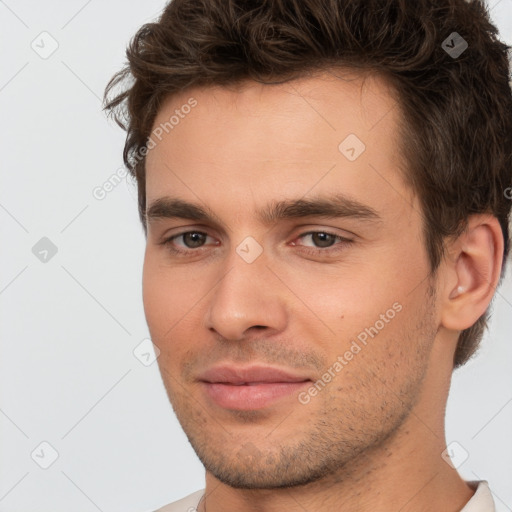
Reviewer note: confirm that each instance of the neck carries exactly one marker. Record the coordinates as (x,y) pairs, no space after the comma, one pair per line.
(403,475)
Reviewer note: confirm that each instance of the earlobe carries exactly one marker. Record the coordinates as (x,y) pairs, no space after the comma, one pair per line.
(475,268)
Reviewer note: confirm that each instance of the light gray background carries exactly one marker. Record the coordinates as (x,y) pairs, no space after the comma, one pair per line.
(68,373)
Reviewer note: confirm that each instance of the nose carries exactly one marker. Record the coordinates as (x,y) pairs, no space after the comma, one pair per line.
(247,297)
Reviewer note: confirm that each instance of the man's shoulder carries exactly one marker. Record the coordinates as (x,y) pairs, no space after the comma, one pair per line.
(187,504)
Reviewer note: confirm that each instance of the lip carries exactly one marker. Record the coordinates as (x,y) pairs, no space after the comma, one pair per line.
(250,374)
(248,388)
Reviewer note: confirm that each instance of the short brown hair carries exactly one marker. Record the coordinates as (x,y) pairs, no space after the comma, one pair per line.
(456,110)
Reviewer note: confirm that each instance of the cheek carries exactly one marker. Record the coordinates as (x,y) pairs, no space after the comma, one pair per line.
(162,317)
(343,296)
(366,306)
(171,300)
(165,300)
(153,296)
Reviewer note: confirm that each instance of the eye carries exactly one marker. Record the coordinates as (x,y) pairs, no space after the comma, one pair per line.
(324,240)
(193,240)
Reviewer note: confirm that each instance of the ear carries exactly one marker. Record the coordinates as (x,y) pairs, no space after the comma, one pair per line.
(473,268)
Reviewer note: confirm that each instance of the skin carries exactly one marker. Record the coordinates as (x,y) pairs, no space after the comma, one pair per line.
(372,438)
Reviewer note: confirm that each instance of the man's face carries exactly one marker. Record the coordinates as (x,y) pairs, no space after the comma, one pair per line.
(353,320)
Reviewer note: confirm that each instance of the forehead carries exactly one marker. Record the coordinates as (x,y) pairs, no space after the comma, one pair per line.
(332,96)
(330,132)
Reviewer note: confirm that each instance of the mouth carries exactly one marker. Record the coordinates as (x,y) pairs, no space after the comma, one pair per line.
(252,395)
(250,388)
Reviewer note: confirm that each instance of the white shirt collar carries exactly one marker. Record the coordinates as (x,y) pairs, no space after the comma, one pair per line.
(482,500)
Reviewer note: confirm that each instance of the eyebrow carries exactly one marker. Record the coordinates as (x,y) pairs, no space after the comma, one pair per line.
(332,206)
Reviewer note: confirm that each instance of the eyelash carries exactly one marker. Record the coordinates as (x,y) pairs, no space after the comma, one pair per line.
(318,251)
